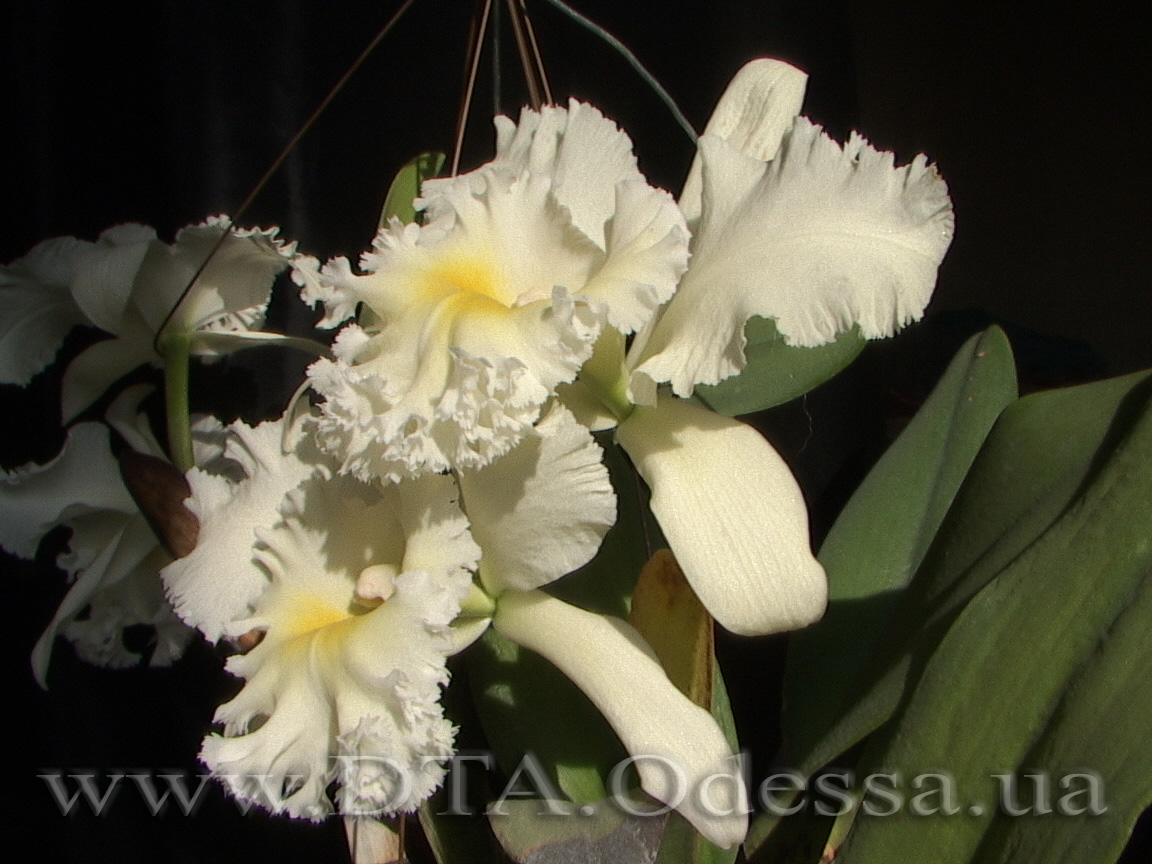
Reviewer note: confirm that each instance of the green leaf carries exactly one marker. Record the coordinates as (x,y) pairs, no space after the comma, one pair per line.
(882,534)
(1021,642)
(406,187)
(1040,456)
(1101,726)
(776,372)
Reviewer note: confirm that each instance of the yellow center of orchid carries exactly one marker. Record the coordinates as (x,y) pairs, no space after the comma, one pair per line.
(470,276)
(308,613)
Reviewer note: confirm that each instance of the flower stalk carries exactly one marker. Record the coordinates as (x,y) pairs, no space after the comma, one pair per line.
(176,349)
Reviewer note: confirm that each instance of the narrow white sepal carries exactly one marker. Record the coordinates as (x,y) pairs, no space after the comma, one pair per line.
(607,659)
(733,514)
(757,108)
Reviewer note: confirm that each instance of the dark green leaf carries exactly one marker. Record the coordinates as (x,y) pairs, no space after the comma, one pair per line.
(1101,726)
(882,534)
(999,674)
(776,372)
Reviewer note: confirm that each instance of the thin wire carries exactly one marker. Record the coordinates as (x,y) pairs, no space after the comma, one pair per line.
(279,160)
(528,63)
(475,44)
(536,56)
(634,62)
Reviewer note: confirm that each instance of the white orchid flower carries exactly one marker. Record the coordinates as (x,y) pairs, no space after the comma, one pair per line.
(353,588)
(478,314)
(128,283)
(539,513)
(786,224)
(113,558)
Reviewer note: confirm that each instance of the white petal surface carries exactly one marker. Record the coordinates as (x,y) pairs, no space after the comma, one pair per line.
(106,275)
(733,514)
(232,292)
(219,580)
(83,477)
(584,153)
(541,511)
(820,239)
(757,108)
(611,663)
(38,309)
(345,686)
(94,370)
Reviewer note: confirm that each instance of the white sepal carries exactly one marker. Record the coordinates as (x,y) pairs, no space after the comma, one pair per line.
(757,108)
(678,744)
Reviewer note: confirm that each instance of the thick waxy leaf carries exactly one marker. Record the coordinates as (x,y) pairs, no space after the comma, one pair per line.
(882,534)
(405,187)
(1043,451)
(1024,640)
(1102,726)
(777,372)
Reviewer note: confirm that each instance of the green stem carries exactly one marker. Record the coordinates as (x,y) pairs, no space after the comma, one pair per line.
(478,604)
(176,354)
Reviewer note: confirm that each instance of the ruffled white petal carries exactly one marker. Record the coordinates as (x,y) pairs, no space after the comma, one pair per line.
(219,580)
(343,686)
(584,153)
(119,589)
(757,108)
(821,239)
(233,291)
(38,309)
(733,514)
(540,511)
(611,663)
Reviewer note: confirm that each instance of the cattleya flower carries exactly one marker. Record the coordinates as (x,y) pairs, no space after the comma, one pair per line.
(127,284)
(477,315)
(113,558)
(367,590)
(358,586)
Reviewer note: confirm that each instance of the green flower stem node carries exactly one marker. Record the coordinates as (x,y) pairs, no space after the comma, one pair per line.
(606,376)
(478,604)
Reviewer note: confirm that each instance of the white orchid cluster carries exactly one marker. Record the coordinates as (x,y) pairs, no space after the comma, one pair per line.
(448,473)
